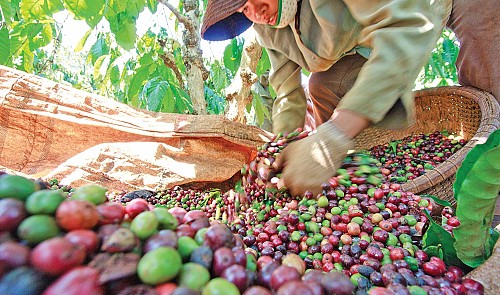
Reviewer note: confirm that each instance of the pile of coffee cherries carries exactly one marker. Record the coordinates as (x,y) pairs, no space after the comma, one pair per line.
(362,225)
(410,157)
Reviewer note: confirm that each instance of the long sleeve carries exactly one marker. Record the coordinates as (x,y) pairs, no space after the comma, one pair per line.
(289,109)
(401,34)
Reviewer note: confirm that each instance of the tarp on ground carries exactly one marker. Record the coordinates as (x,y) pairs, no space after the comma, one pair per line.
(50,130)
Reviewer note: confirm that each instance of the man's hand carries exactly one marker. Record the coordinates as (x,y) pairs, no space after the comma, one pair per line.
(308,163)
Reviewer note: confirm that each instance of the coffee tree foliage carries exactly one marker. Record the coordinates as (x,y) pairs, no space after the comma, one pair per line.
(146,71)
(440,69)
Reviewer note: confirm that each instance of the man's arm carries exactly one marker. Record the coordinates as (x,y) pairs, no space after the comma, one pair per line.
(401,34)
(289,109)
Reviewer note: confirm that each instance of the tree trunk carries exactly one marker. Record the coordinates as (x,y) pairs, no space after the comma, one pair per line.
(196,73)
(238,94)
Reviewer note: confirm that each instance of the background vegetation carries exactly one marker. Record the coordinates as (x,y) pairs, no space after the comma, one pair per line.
(151,69)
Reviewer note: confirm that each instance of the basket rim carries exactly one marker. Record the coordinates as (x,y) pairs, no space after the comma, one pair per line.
(490,121)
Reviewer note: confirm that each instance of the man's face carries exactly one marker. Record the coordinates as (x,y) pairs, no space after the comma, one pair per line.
(261,11)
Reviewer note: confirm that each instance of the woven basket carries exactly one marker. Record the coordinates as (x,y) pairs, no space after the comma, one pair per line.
(466,111)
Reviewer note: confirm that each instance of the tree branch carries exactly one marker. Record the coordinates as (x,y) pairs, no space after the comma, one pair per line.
(169,63)
(182,19)
(238,93)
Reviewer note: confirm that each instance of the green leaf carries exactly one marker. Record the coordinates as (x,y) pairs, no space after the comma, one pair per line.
(44,36)
(472,158)
(272,91)
(179,60)
(134,8)
(205,3)
(232,55)
(125,34)
(122,16)
(215,102)
(264,63)
(8,10)
(154,93)
(90,11)
(114,74)
(82,41)
(169,75)
(18,39)
(4,46)
(495,234)
(437,236)
(27,61)
(393,145)
(141,75)
(183,103)
(101,67)
(476,190)
(37,9)
(436,61)
(28,33)
(152,5)
(436,251)
(147,59)
(168,102)
(99,49)
(438,200)
(219,77)
(259,108)
(450,50)
(261,111)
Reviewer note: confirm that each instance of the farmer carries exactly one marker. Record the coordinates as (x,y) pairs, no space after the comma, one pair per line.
(364,56)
